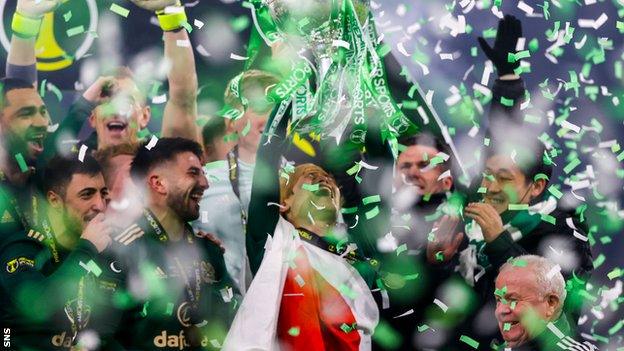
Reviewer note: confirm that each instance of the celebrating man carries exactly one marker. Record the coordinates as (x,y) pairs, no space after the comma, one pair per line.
(50,261)
(178,290)
(530,294)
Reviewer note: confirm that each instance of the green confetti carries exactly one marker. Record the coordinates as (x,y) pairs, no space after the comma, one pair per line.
(599,261)
(482,190)
(372,213)
(401,249)
(294,331)
(548,218)
(616,327)
(21,162)
(240,23)
(42,89)
(75,31)
(519,263)
(67,16)
(422,328)
(615,273)
(555,192)
(489,33)
(469,341)
(570,166)
(120,10)
(349,210)
(506,102)
(246,129)
(144,311)
(383,50)
(534,45)
(620,26)
(439,256)
(310,187)
(517,207)
(169,310)
(371,199)
(506,326)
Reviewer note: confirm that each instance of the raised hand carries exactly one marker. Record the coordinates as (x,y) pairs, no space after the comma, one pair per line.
(487,218)
(98,232)
(507,35)
(446,240)
(101,90)
(155,5)
(36,8)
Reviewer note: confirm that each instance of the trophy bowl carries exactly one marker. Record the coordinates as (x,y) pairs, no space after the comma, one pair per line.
(311,20)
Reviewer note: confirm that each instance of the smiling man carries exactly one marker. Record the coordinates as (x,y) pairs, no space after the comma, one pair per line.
(307,278)
(46,260)
(530,294)
(180,293)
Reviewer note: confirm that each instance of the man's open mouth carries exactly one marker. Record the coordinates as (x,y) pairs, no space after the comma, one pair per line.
(325,190)
(116,126)
(35,141)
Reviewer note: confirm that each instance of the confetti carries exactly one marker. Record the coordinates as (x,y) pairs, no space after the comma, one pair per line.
(469,341)
(75,31)
(120,10)
(21,162)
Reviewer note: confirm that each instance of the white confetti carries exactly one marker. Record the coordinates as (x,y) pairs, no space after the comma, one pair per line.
(341,43)
(525,7)
(160,99)
(82,152)
(202,51)
(441,304)
(183,43)
(446,174)
(152,142)
(197,23)
(595,24)
(238,57)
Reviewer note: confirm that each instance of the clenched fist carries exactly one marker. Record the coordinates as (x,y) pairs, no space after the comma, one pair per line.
(155,5)
(487,218)
(36,8)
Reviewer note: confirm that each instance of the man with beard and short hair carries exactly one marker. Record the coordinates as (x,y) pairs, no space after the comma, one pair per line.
(179,292)
(47,261)
(23,123)
(530,294)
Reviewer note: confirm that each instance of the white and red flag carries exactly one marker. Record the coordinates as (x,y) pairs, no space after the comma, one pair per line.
(303,298)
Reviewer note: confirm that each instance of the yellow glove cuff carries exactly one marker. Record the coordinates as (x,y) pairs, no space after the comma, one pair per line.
(171,21)
(25,27)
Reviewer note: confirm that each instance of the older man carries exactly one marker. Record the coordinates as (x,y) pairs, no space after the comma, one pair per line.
(530,293)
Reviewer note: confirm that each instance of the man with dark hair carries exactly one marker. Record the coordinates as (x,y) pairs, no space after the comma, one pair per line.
(179,291)
(53,259)
(213,139)
(115,105)
(515,217)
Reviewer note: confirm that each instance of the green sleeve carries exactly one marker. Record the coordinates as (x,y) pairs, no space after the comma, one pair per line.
(22,277)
